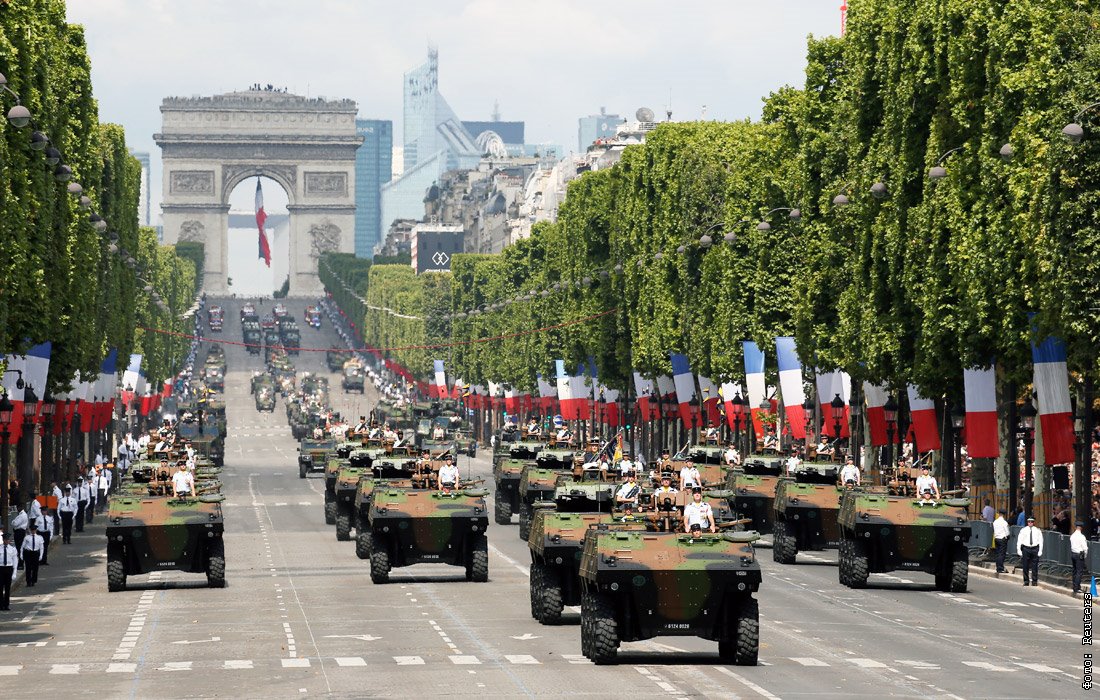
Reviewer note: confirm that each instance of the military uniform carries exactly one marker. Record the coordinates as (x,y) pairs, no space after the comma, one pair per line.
(9,559)
(67,508)
(33,548)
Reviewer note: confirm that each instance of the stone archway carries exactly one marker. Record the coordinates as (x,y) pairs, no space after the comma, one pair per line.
(210,145)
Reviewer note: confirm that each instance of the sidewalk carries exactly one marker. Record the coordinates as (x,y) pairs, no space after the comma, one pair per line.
(1047,581)
(70,565)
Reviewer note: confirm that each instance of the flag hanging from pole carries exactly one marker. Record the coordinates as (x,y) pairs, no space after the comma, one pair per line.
(261,217)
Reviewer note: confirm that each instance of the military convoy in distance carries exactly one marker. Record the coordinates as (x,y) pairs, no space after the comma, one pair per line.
(752,490)
(354,379)
(413,526)
(806,507)
(289,334)
(313,316)
(253,336)
(638,585)
(313,455)
(206,436)
(335,359)
(880,533)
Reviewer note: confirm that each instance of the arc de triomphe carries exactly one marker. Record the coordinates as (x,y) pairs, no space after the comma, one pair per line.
(209,145)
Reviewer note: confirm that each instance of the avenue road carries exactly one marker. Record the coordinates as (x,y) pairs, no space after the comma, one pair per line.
(300,617)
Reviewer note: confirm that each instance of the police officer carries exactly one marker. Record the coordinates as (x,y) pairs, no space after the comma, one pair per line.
(67,508)
(45,523)
(1079,553)
(93,491)
(81,495)
(1029,545)
(9,559)
(1001,533)
(19,526)
(698,514)
(33,549)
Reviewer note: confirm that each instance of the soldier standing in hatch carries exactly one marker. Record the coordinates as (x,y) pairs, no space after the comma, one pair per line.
(698,513)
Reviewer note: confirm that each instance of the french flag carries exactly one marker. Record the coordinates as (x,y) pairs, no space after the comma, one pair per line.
(922,411)
(829,386)
(547,393)
(754,381)
(511,401)
(130,379)
(105,387)
(580,390)
(684,382)
(566,403)
(980,394)
(438,388)
(14,365)
(709,391)
(644,389)
(166,390)
(790,383)
(261,218)
(730,392)
(35,373)
(875,395)
(1055,413)
(666,390)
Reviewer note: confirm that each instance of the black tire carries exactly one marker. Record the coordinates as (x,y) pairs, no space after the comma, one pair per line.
(748,633)
(116,576)
(586,625)
(302,471)
(215,565)
(478,568)
(859,567)
(524,521)
(785,547)
(362,545)
(603,630)
(330,512)
(343,526)
(503,511)
(842,561)
(551,602)
(960,573)
(537,568)
(379,560)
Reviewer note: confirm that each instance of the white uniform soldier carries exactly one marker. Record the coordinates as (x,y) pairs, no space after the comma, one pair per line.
(927,482)
(697,514)
(448,476)
(183,483)
(689,478)
(66,508)
(850,473)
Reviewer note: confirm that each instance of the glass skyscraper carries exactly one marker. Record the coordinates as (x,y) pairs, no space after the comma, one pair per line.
(373,169)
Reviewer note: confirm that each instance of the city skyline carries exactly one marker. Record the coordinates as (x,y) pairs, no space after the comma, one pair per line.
(360,50)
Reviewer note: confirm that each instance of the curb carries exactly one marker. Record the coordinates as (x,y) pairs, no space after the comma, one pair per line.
(1017,578)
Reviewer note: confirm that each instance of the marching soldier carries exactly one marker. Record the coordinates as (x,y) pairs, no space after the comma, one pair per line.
(33,549)
(9,559)
(67,509)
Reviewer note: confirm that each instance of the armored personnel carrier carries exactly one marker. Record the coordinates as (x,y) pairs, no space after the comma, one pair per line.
(555,543)
(354,379)
(639,585)
(413,526)
(535,484)
(513,451)
(752,491)
(206,437)
(253,336)
(265,398)
(806,507)
(313,455)
(335,359)
(881,533)
(347,483)
(158,533)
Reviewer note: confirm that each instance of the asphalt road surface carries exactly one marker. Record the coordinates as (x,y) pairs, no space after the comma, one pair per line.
(300,617)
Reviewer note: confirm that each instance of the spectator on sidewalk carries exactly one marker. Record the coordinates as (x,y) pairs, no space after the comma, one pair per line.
(1079,554)
(9,560)
(1029,545)
(988,514)
(1001,535)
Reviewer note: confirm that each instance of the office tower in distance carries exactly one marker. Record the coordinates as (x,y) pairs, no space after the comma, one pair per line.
(373,168)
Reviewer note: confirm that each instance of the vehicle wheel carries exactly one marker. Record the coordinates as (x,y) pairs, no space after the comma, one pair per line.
(550,598)
(215,566)
(301,471)
(330,512)
(603,630)
(524,521)
(537,569)
(116,576)
(785,547)
(842,561)
(478,569)
(858,567)
(586,625)
(748,633)
(343,526)
(379,560)
(503,512)
(362,545)
(960,572)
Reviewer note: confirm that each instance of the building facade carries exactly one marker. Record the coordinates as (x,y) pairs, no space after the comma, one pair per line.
(373,169)
(596,126)
(145,207)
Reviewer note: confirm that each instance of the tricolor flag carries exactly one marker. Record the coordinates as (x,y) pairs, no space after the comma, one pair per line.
(710,398)
(610,409)
(980,392)
(580,391)
(922,413)
(36,371)
(829,386)
(15,366)
(1055,412)
(547,393)
(566,403)
(130,379)
(261,218)
(511,400)
(644,389)
(731,391)
(685,385)
(438,389)
(790,384)
(875,395)
(754,382)
(105,387)
(666,390)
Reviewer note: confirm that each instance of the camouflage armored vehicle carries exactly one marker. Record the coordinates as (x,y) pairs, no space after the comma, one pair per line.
(206,437)
(265,398)
(535,485)
(158,533)
(354,379)
(410,526)
(881,533)
(585,491)
(364,493)
(362,459)
(752,491)
(508,461)
(464,442)
(290,336)
(313,455)
(335,359)
(347,483)
(253,337)
(555,543)
(806,508)
(639,585)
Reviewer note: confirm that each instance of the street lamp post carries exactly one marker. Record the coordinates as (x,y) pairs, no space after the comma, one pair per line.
(765,410)
(890,410)
(24,468)
(836,408)
(1081,470)
(958,422)
(6,410)
(809,409)
(855,438)
(1027,427)
(47,448)
(737,410)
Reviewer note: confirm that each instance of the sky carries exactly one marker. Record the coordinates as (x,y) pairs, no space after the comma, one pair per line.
(546,63)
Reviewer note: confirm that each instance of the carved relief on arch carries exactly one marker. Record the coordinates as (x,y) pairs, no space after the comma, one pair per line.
(192,231)
(324,237)
(285,175)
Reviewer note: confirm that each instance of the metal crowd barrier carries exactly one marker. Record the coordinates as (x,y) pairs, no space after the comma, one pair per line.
(1056,553)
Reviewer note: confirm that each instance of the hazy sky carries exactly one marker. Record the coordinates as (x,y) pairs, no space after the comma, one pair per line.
(547,63)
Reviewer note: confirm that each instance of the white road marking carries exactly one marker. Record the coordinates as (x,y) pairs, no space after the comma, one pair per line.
(746,682)
(295,663)
(521,659)
(65,669)
(575,658)
(350,661)
(1039,668)
(917,664)
(10,670)
(36,609)
(464,660)
(522,569)
(986,666)
(409,660)
(176,666)
(121,668)
(867,663)
(808,661)
(239,664)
